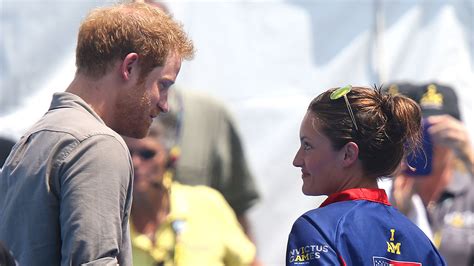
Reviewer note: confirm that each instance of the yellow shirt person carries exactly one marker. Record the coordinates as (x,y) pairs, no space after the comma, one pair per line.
(201,229)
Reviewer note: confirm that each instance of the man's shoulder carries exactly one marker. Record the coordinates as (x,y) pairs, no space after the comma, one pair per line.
(200,193)
(200,197)
(64,130)
(74,122)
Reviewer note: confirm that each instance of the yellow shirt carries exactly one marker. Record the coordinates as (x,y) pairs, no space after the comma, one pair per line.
(201,229)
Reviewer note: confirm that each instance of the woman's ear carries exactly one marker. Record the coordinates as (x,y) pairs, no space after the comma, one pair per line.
(349,154)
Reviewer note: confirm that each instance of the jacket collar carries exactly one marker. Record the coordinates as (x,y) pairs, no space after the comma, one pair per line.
(369,194)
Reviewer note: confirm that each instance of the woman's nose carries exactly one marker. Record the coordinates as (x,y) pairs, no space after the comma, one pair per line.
(297,160)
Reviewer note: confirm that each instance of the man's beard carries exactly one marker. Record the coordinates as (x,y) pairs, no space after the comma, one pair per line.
(133,113)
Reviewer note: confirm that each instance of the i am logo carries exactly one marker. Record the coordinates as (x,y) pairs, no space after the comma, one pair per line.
(393,247)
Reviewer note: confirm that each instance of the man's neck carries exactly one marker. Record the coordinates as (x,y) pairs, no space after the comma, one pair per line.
(96,93)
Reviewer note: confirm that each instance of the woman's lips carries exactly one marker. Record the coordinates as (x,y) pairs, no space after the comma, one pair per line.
(304,174)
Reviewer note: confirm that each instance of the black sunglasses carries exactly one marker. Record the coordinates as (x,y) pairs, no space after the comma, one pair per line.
(145,154)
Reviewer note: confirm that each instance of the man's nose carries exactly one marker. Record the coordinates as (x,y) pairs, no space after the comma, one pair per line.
(163,103)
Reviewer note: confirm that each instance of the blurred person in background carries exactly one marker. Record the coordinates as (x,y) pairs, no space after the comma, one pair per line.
(350,137)
(441,176)
(212,153)
(66,188)
(211,150)
(177,224)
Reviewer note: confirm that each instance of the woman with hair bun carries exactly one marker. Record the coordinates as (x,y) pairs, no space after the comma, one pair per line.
(350,137)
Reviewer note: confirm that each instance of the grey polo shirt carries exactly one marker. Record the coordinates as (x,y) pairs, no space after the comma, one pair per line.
(66,190)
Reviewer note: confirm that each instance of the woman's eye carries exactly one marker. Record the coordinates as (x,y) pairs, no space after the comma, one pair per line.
(306,146)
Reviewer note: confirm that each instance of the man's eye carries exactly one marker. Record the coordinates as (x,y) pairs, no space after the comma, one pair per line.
(165,85)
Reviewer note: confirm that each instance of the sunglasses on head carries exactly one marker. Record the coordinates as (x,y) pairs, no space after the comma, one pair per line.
(341,92)
(145,154)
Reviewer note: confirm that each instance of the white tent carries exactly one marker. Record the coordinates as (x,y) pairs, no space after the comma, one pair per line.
(266,60)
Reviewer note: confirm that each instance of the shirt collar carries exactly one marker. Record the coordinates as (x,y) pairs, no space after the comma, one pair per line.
(69,100)
(369,194)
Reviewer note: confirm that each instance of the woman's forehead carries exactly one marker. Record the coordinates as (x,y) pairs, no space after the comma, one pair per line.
(310,126)
(310,121)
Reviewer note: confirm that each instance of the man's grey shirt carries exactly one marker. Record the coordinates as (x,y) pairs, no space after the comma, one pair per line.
(66,190)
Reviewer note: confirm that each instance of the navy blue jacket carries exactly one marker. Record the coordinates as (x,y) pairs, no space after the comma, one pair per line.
(358,227)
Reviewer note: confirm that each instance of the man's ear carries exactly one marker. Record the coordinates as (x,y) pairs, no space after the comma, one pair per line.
(349,154)
(129,66)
